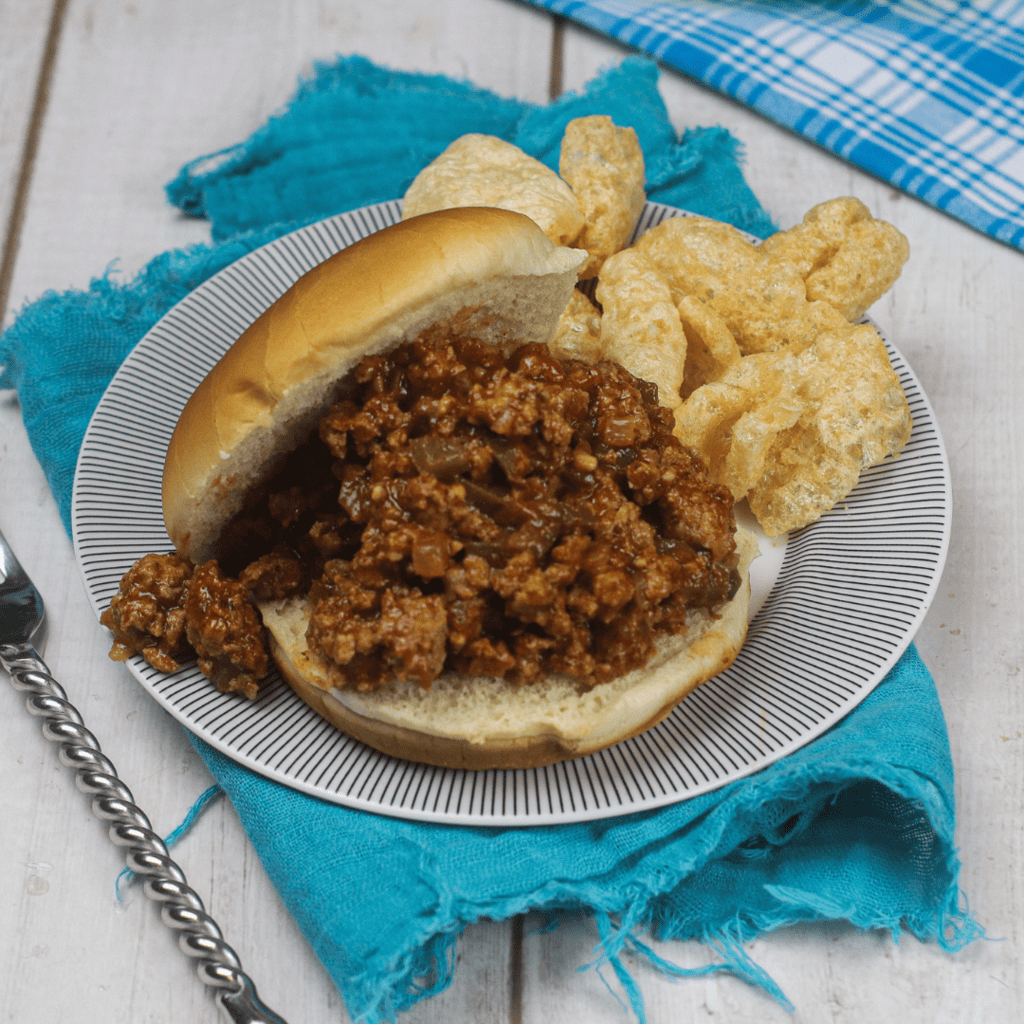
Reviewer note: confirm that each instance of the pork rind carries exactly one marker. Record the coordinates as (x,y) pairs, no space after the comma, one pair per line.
(604,166)
(578,334)
(483,170)
(846,257)
(856,415)
(640,327)
(710,347)
(792,432)
(733,422)
(763,302)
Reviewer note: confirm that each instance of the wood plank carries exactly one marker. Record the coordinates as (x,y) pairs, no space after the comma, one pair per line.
(116,131)
(139,89)
(953,315)
(24,31)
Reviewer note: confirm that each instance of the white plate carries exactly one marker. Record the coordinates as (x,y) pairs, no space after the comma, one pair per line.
(838,603)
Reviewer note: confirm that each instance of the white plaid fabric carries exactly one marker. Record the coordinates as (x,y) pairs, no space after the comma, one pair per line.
(926,94)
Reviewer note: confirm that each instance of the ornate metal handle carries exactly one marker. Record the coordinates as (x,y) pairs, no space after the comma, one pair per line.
(146,854)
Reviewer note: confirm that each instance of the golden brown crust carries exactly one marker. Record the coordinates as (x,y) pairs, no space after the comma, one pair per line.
(269,388)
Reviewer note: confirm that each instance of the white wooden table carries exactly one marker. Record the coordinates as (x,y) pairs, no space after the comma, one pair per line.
(101,101)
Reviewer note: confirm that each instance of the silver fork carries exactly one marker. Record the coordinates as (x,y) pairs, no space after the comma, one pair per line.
(21,618)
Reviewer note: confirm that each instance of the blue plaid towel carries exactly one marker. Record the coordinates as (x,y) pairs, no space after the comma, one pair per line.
(926,94)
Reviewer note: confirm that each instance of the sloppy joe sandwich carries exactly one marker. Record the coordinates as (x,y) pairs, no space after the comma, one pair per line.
(458,546)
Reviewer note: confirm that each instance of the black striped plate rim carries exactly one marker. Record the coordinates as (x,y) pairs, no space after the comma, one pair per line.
(851,592)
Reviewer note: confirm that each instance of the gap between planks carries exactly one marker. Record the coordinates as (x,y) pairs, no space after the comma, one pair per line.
(40,101)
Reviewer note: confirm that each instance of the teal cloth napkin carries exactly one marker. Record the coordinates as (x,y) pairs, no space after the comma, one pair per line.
(858,825)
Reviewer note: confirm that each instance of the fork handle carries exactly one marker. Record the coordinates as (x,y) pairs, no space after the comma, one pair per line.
(146,854)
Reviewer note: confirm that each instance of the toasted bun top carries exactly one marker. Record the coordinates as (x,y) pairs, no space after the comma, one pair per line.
(491,271)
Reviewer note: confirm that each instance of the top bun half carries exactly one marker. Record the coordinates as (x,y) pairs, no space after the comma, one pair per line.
(491,271)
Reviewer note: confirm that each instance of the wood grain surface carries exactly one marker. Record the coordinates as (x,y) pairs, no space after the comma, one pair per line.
(88,138)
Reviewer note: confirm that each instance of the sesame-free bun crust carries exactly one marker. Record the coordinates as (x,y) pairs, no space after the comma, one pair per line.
(480,722)
(492,271)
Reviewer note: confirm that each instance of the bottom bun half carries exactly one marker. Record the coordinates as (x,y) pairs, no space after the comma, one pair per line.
(482,722)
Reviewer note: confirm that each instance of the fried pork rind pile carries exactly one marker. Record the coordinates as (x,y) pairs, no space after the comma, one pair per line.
(756,349)
(481,170)
(806,400)
(594,205)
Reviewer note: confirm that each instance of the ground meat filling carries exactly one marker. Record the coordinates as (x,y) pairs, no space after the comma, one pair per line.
(518,517)
(169,611)
(147,614)
(464,511)
(224,628)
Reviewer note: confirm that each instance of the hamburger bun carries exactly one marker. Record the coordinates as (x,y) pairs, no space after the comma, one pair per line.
(494,275)
(491,269)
